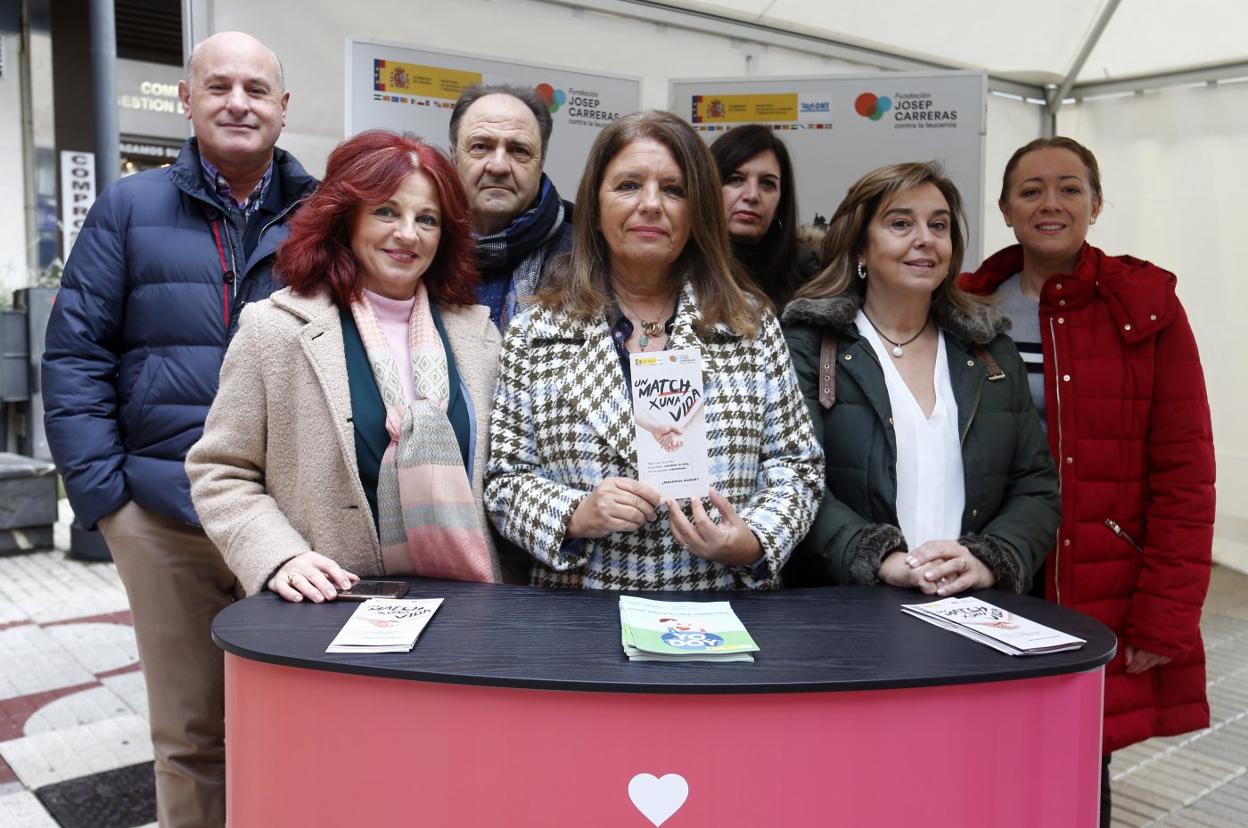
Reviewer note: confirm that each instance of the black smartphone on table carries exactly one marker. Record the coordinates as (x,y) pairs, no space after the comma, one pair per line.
(374,589)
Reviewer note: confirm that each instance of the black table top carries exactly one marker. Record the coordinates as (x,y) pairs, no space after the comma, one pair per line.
(835,638)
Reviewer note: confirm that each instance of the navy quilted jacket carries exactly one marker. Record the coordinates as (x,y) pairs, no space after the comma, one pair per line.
(140,328)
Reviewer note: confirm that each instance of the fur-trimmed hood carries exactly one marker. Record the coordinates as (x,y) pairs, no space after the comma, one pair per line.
(982,326)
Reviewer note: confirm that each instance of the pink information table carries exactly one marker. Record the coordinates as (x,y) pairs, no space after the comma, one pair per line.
(518,708)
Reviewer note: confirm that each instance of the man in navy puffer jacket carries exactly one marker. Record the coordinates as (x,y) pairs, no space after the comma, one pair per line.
(149,300)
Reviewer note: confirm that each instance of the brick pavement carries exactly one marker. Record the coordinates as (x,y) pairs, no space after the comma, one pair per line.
(72,700)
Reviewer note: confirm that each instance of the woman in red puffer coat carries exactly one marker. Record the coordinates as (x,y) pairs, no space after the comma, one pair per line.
(1118,380)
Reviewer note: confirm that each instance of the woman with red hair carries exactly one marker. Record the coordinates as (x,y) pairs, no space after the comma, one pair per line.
(348,436)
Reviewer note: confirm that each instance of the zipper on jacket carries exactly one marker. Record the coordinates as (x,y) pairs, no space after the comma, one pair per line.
(229,273)
(1057,390)
(279,217)
(1122,533)
(275,220)
(227,270)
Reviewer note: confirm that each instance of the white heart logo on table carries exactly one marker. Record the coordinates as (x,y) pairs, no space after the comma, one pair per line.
(658,798)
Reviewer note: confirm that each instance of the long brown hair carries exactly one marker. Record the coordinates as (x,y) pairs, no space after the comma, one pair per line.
(580,284)
(846,238)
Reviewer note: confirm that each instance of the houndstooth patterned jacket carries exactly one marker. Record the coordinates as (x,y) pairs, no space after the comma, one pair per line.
(562,422)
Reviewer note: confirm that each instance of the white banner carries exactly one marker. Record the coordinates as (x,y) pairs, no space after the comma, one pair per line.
(409,89)
(838,128)
(77,195)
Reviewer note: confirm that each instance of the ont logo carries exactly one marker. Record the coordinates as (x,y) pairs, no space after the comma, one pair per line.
(870,106)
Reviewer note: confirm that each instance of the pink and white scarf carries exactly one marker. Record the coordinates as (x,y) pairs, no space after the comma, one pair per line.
(428,520)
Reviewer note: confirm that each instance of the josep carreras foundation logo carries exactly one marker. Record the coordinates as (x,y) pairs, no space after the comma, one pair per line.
(554,98)
(871,106)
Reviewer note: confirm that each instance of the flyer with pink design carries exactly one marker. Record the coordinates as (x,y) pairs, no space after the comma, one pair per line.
(384,625)
(993,626)
(670,417)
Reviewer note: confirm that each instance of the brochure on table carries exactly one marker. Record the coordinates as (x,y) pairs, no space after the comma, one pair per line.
(995,627)
(384,625)
(683,631)
(670,418)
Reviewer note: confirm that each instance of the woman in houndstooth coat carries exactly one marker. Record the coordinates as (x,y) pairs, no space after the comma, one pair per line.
(649,271)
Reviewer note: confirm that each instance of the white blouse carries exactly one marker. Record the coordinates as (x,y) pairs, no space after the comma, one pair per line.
(930,490)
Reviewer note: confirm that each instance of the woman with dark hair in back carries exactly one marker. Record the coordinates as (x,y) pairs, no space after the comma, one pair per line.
(760,203)
(348,436)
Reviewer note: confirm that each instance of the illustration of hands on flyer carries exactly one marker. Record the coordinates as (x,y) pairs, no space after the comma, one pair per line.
(670,416)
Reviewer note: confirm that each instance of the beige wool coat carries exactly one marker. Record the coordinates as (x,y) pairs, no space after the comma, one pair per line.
(275,473)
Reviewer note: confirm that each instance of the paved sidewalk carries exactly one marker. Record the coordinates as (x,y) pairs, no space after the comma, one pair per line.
(1198,780)
(75,751)
(74,743)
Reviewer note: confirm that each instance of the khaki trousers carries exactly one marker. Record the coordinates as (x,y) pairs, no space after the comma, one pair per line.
(177,582)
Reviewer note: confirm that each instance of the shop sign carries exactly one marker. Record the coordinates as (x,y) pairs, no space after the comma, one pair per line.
(77,195)
(147,100)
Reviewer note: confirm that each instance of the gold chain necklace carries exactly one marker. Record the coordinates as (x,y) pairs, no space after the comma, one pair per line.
(649,329)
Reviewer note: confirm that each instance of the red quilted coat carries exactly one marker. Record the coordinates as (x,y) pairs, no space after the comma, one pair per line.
(1128,424)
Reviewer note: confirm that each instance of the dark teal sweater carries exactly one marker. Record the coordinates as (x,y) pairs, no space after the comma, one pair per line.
(368,413)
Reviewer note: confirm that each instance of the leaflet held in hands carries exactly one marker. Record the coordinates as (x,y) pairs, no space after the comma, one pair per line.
(670,418)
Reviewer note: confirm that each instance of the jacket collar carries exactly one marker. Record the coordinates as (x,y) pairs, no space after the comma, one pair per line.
(1140,295)
(294,181)
(322,343)
(547,324)
(963,333)
(318,307)
(979,327)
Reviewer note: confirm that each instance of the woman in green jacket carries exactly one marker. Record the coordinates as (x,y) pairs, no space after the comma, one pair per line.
(938,475)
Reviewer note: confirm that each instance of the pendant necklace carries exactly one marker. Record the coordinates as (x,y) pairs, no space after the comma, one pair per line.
(898,351)
(649,329)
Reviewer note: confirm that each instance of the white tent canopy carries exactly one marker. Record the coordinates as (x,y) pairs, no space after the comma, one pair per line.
(1027,43)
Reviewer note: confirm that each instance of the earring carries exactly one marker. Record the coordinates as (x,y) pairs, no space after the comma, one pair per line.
(862,271)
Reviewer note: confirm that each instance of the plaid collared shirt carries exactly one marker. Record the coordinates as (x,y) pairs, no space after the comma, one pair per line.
(222,188)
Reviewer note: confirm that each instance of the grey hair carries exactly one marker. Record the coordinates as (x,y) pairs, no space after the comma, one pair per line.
(523,94)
